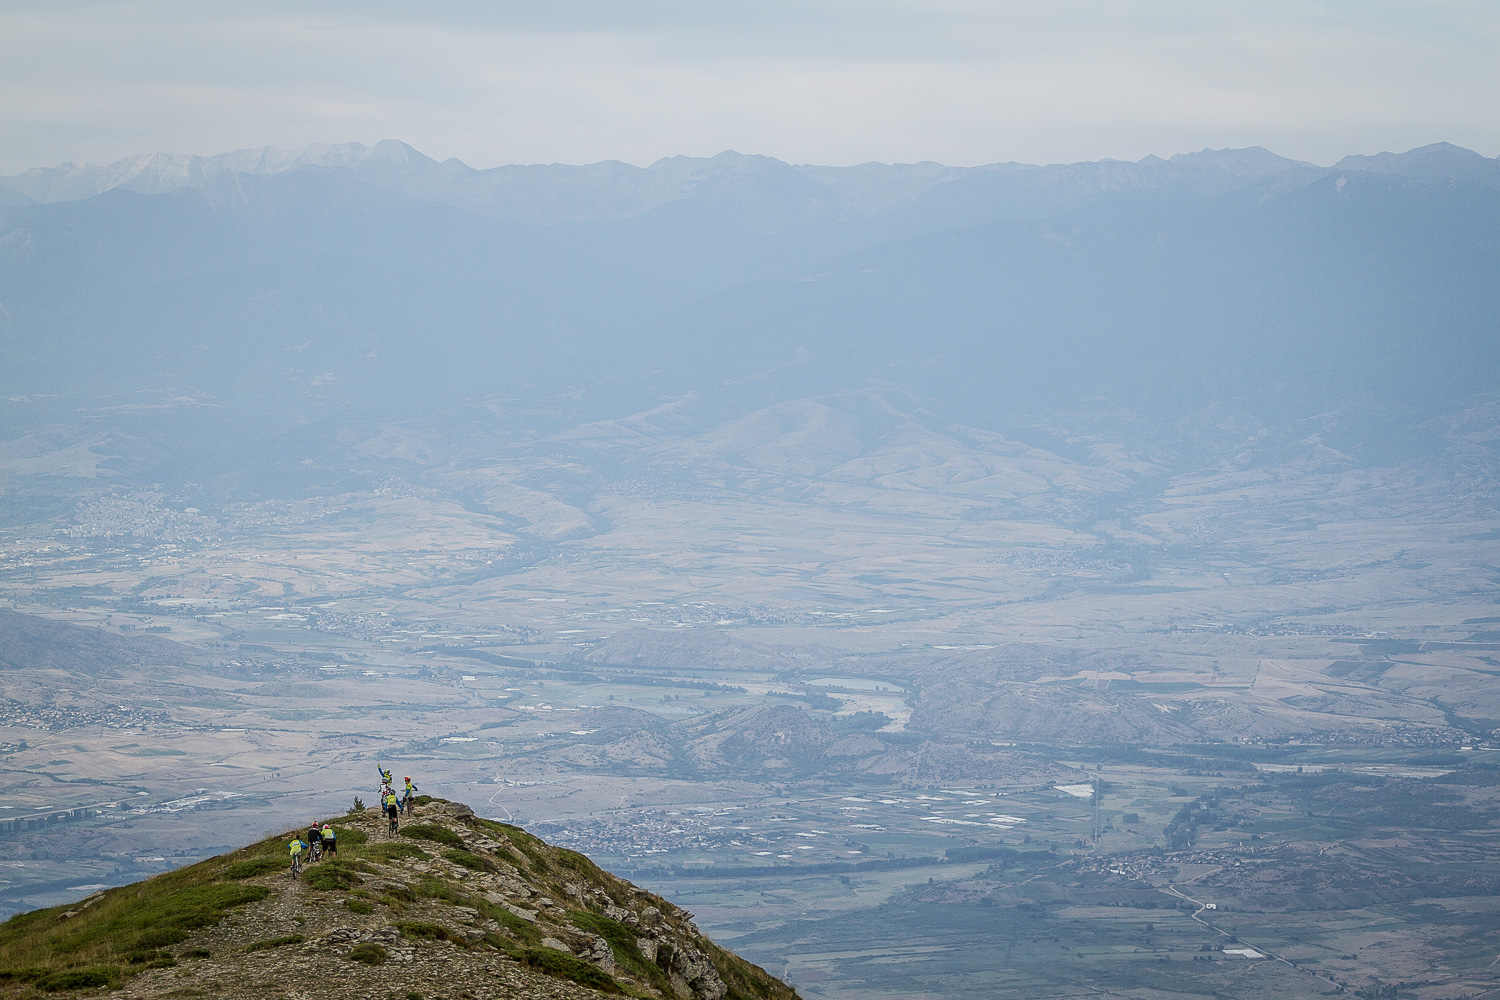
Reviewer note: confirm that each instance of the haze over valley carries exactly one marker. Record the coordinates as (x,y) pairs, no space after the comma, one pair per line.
(940,580)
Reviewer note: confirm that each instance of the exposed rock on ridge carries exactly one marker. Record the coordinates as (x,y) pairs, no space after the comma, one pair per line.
(453,905)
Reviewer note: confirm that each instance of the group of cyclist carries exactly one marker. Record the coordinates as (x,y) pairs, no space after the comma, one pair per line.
(320,841)
(323,840)
(391,803)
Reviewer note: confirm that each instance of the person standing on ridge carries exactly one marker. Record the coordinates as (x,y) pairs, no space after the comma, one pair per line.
(330,840)
(408,801)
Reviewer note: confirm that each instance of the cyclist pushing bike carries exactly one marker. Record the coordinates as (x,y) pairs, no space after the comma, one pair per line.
(297,846)
(392,807)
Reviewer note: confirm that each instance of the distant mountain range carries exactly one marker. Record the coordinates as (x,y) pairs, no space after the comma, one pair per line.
(265,290)
(613,190)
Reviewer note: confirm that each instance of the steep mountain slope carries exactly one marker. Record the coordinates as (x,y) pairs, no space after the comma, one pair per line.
(453,906)
(31,644)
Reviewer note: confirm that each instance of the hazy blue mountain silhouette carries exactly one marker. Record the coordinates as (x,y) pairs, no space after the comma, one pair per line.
(278,290)
(1350,286)
(1439,163)
(773,191)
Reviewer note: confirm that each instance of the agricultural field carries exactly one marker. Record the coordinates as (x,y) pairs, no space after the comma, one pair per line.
(1281,886)
(800,813)
(886,727)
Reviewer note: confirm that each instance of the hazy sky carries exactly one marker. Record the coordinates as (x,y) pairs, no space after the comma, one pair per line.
(826,81)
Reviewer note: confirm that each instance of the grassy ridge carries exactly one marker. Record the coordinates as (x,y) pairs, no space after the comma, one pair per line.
(121,931)
(118,933)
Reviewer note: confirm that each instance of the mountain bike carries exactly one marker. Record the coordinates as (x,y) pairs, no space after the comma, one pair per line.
(296,865)
(317,852)
(392,813)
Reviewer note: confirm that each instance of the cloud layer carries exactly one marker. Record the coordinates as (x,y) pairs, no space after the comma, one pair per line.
(832,81)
